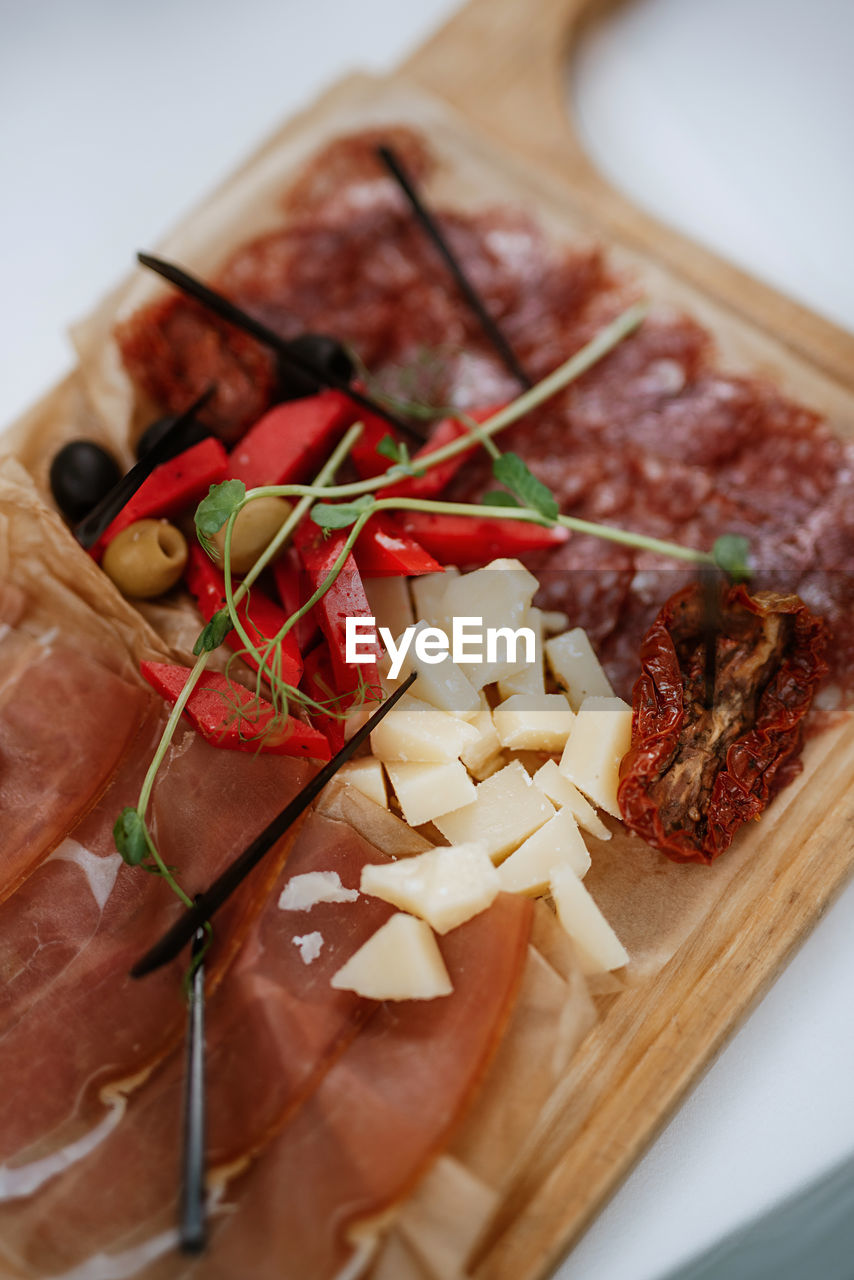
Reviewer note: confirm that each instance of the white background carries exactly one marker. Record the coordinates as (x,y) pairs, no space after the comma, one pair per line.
(732,119)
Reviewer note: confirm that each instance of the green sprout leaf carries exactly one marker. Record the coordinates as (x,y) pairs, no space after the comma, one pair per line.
(499,498)
(396,450)
(340,515)
(211,636)
(129,835)
(731,553)
(515,474)
(213,511)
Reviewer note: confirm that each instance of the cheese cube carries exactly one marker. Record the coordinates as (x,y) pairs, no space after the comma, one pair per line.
(554,620)
(443,684)
(426,791)
(428,596)
(530,868)
(599,948)
(444,886)
(533,722)
(600,737)
(576,668)
(497,596)
(413,730)
(561,792)
(401,961)
(530,679)
(482,753)
(508,808)
(367,776)
(390,603)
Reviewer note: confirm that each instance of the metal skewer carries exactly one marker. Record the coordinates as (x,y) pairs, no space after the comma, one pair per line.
(465,286)
(185,928)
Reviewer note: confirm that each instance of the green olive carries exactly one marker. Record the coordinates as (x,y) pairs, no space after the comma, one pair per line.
(146,558)
(254,529)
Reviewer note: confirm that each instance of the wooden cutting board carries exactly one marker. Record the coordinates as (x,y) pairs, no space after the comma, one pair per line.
(500,64)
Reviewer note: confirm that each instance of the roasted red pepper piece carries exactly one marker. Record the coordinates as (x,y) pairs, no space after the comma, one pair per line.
(345,599)
(319,683)
(171,488)
(696,773)
(294,589)
(291,440)
(370,463)
(473,540)
(384,550)
(229,716)
(260,615)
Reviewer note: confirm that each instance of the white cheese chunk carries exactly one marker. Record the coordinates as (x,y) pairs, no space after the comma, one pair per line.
(390,603)
(413,730)
(576,668)
(486,750)
(401,961)
(533,722)
(599,948)
(561,792)
(557,843)
(508,808)
(531,678)
(365,775)
(301,893)
(599,739)
(309,946)
(497,597)
(554,620)
(444,886)
(443,684)
(428,596)
(426,791)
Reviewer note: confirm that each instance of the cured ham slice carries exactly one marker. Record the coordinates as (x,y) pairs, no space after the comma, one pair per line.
(65,723)
(274,1027)
(94,1026)
(381,1114)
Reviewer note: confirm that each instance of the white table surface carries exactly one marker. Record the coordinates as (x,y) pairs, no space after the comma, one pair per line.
(731,119)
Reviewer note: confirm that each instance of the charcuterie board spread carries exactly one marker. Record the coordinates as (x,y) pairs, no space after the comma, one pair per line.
(390,381)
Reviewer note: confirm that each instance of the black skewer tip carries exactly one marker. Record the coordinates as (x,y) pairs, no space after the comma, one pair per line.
(289,353)
(177,937)
(431,226)
(89,530)
(192,1229)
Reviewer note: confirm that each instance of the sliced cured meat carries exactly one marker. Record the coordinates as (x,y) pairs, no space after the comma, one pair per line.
(65,723)
(274,1027)
(206,807)
(382,1113)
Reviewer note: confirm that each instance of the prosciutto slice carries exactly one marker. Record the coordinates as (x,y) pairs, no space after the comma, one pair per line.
(274,1027)
(381,1114)
(66,721)
(91,1026)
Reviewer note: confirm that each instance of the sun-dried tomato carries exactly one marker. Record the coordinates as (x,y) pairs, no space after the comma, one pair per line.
(695,773)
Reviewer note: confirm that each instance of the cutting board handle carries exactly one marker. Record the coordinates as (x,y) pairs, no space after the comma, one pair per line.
(505,64)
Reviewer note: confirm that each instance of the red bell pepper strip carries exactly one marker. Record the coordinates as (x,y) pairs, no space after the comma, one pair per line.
(227,715)
(384,550)
(171,488)
(370,463)
(293,587)
(261,616)
(474,540)
(319,683)
(345,599)
(291,440)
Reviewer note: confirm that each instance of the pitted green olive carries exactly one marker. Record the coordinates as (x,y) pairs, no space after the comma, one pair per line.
(146,559)
(254,528)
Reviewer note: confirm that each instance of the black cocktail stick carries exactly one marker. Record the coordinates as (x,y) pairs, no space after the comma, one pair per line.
(173,441)
(229,311)
(176,938)
(193,1224)
(712,618)
(465,286)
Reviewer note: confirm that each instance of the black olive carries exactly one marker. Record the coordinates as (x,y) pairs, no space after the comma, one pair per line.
(327,354)
(81,474)
(192,433)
